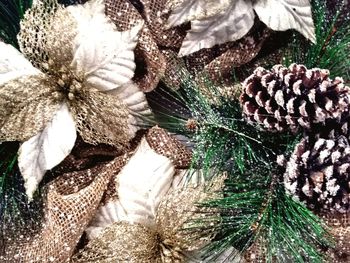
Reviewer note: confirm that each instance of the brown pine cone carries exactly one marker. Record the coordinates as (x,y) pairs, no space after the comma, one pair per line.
(332,128)
(318,174)
(292,98)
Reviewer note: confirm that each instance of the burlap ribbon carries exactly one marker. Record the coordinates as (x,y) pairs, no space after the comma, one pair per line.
(217,62)
(71,200)
(70,203)
(339,225)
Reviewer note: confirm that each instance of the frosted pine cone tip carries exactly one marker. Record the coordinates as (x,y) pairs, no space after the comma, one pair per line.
(292,98)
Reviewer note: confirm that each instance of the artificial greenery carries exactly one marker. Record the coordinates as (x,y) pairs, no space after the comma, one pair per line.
(11,13)
(255,210)
(16,212)
(332,49)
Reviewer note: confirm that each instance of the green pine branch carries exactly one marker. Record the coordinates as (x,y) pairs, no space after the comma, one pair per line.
(332,50)
(11,13)
(254,209)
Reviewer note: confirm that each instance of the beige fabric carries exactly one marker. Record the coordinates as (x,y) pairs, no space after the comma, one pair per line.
(340,228)
(162,143)
(70,203)
(217,62)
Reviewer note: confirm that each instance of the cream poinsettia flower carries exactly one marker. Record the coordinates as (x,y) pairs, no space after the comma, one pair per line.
(218,21)
(155,201)
(73,75)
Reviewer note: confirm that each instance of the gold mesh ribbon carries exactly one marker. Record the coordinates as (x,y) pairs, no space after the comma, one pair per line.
(164,144)
(339,225)
(168,242)
(70,203)
(150,61)
(155,39)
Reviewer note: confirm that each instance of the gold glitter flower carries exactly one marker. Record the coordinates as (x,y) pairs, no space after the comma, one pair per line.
(155,216)
(75,75)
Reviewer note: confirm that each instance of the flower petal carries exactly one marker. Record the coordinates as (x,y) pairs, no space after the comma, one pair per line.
(135,101)
(101,118)
(226,26)
(13,64)
(143,182)
(103,55)
(46,149)
(27,104)
(287,14)
(188,10)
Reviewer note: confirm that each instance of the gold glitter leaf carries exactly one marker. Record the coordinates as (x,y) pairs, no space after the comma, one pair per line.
(47,149)
(100,118)
(168,241)
(35,25)
(60,38)
(26,106)
(122,242)
(178,211)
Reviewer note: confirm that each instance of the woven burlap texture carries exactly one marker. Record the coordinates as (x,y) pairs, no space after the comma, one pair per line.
(70,203)
(339,225)
(217,62)
(165,144)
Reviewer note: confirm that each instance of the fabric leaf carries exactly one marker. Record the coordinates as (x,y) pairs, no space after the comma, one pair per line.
(103,54)
(27,104)
(46,149)
(13,64)
(287,14)
(189,10)
(224,27)
(135,100)
(101,118)
(143,182)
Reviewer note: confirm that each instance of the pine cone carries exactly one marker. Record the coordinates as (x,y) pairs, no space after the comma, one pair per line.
(318,174)
(332,128)
(290,98)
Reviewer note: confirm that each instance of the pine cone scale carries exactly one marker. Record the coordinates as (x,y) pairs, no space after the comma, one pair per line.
(293,98)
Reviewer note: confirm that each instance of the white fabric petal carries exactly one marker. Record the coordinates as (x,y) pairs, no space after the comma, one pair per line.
(135,100)
(105,216)
(189,10)
(13,64)
(143,182)
(102,54)
(230,25)
(287,14)
(46,149)
(186,177)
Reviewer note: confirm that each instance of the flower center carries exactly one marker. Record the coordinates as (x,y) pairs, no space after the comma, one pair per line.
(68,85)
